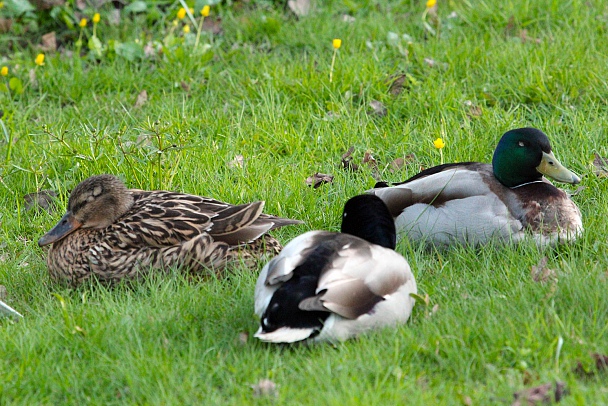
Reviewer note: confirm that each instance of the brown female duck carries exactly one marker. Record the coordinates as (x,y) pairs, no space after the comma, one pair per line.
(112,232)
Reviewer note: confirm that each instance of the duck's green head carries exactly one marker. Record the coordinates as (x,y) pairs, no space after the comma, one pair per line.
(524,155)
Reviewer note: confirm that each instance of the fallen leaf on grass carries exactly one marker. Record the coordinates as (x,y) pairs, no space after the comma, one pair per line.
(142,98)
(319,179)
(45,200)
(347,160)
(540,272)
(213,25)
(600,165)
(399,163)
(543,394)
(600,365)
(5,24)
(300,8)
(243,337)
(523,35)
(265,388)
(378,108)
(185,86)
(397,84)
(369,160)
(49,42)
(473,109)
(237,162)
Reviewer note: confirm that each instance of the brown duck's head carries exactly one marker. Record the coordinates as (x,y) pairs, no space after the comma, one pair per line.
(96,202)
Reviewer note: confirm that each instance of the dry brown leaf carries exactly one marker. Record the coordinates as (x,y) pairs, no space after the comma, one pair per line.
(319,179)
(142,98)
(243,337)
(46,4)
(300,8)
(542,394)
(347,160)
(214,25)
(369,160)
(237,162)
(378,108)
(45,200)
(510,27)
(473,109)
(397,83)
(185,86)
(523,35)
(600,165)
(540,272)
(431,62)
(5,24)
(600,365)
(265,388)
(49,42)
(399,163)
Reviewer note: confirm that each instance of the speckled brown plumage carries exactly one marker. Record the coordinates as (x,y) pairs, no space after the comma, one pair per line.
(122,233)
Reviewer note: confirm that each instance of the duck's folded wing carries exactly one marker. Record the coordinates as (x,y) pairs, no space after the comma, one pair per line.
(435,187)
(361,276)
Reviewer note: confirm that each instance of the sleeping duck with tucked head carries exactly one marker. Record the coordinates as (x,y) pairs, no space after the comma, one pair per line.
(112,232)
(474,203)
(333,286)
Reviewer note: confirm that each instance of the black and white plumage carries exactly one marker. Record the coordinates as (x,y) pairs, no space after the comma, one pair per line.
(333,286)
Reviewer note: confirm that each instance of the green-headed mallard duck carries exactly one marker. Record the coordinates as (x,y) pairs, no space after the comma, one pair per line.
(473,202)
(333,286)
(113,232)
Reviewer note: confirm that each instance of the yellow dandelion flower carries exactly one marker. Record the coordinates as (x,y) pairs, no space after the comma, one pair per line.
(431,3)
(438,143)
(205,11)
(181,13)
(39,59)
(337,43)
(186,29)
(83,23)
(4,71)
(96,18)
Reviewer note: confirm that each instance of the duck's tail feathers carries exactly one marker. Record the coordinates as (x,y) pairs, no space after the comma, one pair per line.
(245,223)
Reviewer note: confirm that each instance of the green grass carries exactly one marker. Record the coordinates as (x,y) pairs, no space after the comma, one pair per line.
(264,93)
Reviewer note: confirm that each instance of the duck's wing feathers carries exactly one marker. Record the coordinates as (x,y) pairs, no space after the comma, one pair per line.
(359,276)
(161,218)
(355,277)
(437,185)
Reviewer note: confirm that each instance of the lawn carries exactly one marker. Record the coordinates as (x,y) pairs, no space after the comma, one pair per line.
(249,113)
